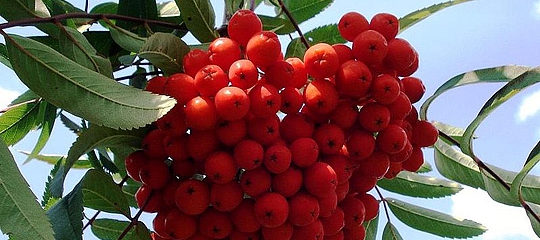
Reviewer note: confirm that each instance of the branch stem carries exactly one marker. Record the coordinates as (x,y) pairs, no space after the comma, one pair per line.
(294,23)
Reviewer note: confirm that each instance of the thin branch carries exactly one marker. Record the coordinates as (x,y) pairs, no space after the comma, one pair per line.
(135,219)
(294,23)
(383,200)
(138,74)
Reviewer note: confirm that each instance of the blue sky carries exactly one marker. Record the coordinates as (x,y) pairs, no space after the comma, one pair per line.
(469,36)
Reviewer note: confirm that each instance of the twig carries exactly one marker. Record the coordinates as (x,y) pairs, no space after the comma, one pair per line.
(138,74)
(383,200)
(294,23)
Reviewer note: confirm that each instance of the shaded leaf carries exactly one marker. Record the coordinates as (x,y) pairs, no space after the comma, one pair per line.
(125,39)
(4,59)
(390,232)
(371,228)
(101,193)
(18,121)
(12,10)
(532,161)
(110,229)
(165,51)
(47,115)
(497,191)
(145,9)
(495,74)
(25,97)
(83,92)
(106,162)
(66,215)
(434,222)
(21,216)
(106,7)
(416,185)
(129,190)
(48,194)
(74,127)
(199,17)
(419,15)
(139,78)
(57,7)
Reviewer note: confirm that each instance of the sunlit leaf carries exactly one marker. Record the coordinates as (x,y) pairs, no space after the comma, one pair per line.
(199,17)
(165,51)
(66,215)
(21,216)
(416,185)
(455,133)
(273,23)
(111,229)
(390,232)
(371,227)
(168,9)
(18,121)
(486,75)
(47,115)
(419,15)
(83,92)
(457,166)
(434,222)
(101,193)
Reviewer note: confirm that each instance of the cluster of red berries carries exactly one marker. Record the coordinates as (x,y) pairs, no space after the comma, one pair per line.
(261,147)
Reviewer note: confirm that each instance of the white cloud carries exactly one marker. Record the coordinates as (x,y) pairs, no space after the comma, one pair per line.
(503,222)
(6,96)
(529,105)
(536,9)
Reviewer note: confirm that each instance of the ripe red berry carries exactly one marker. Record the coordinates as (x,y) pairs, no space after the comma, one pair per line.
(192,197)
(400,56)
(291,100)
(154,174)
(194,60)
(271,209)
(351,24)
(320,179)
(384,89)
(243,74)
(256,182)
(330,138)
(321,61)
(303,209)
(353,79)
(232,103)
(220,167)
(181,87)
(277,158)
(243,216)
(413,88)
(263,49)
(248,154)
(386,24)
(392,139)
(226,197)
(201,113)
(424,134)
(243,24)
(321,97)
(264,100)
(215,224)
(210,79)
(289,182)
(370,47)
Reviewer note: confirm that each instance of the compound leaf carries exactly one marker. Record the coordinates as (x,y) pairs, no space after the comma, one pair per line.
(434,222)
(21,216)
(81,91)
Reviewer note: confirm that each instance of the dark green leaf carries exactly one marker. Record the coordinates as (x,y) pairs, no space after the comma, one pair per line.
(67,214)
(12,10)
(199,17)
(419,15)
(416,185)
(93,159)
(25,97)
(110,229)
(301,10)
(48,194)
(83,92)
(58,7)
(434,222)
(106,162)
(54,159)
(371,228)
(165,51)
(139,78)
(125,39)
(497,191)
(4,59)
(534,221)
(145,9)
(18,121)
(74,127)
(101,193)
(390,232)
(47,115)
(496,74)
(21,216)
(129,190)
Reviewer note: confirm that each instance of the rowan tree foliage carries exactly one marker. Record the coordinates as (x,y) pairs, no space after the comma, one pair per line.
(73,68)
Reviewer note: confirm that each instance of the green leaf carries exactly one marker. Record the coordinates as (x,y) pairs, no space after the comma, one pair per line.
(48,194)
(416,185)
(145,9)
(419,15)
(83,92)
(455,132)
(534,222)
(139,78)
(125,39)
(4,59)
(327,34)
(54,159)
(273,23)
(165,51)
(25,97)
(434,222)
(18,121)
(12,10)
(106,7)
(425,168)
(486,75)
(69,124)
(67,214)
(21,216)
(371,228)
(168,9)
(301,10)
(199,17)
(101,193)
(532,161)
(58,7)
(457,166)
(390,232)
(129,190)
(110,229)
(106,161)
(47,113)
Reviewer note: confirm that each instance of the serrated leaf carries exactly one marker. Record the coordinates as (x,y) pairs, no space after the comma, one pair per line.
(106,162)
(272,23)
(371,227)
(57,7)
(390,232)
(47,115)
(18,121)
(110,229)
(301,10)
(54,158)
(67,214)
(165,51)
(83,92)
(497,191)
(4,59)
(434,222)
(21,216)
(48,194)
(199,17)
(101,193)
(69,124)
(145,9)
(416,185)
(486,75)
(327,34)
(419,15)
(12,10)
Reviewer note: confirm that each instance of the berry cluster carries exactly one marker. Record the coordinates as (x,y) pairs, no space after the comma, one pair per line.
(261,147)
